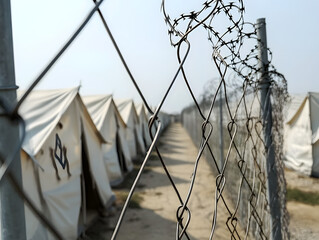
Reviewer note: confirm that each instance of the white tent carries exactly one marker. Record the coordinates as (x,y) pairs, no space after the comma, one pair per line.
(62,139)
(164,118)
(143,123)
(110,124)
(301,134)
(32,185)
(133,134)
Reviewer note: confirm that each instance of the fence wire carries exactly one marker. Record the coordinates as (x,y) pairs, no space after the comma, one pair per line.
(242,171)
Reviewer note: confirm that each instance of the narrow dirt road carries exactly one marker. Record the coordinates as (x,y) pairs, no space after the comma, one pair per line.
(155,218)
(153,214)
(160,199)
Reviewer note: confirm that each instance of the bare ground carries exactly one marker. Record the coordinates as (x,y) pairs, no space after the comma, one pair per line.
(155,218)
(153,215)
(304,223)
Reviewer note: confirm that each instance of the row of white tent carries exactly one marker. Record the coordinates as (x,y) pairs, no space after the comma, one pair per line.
(300,121)
(75,149)
(301,133)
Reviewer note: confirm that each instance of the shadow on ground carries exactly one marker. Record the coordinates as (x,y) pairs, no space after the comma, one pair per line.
(138,224)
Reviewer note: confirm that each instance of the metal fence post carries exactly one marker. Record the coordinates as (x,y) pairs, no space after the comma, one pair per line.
(12,221)
(264,85)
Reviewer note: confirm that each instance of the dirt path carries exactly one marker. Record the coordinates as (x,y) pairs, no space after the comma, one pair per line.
(156,217)
(304,223)
(179,154)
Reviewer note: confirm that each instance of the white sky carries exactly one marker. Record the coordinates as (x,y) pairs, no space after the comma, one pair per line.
(41,27)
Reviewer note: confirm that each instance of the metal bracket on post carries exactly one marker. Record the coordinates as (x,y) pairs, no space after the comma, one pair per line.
(264,86)
(12,219)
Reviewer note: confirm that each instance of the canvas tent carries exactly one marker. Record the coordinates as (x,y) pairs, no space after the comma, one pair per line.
(62,165)
(112,127)
(143,123)
(133,134)
(301,134)
(165,119)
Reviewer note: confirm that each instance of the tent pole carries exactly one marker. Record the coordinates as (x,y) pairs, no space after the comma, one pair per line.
(12,221)
(272,176)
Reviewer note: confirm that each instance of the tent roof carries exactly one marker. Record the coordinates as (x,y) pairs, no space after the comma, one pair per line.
(140,109)
(294,106)
(314,111)
(125,107)
(42,111)
(98,106)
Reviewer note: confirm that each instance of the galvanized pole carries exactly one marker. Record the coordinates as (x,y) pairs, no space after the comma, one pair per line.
(221,137)
(264,85)
(12,221)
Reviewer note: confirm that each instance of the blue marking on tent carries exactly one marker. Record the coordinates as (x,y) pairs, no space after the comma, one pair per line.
(58,151)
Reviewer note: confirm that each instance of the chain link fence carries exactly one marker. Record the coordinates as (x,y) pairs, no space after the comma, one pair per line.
(237,154)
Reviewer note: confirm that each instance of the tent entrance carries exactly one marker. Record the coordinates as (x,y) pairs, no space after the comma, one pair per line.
(91,202)
(120,154)
(92,199)
(145,140)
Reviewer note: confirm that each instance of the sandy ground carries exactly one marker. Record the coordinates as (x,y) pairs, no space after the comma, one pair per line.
(304,223)
(155,218)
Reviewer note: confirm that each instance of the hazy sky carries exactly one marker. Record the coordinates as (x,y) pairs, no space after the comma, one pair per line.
(40,27)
